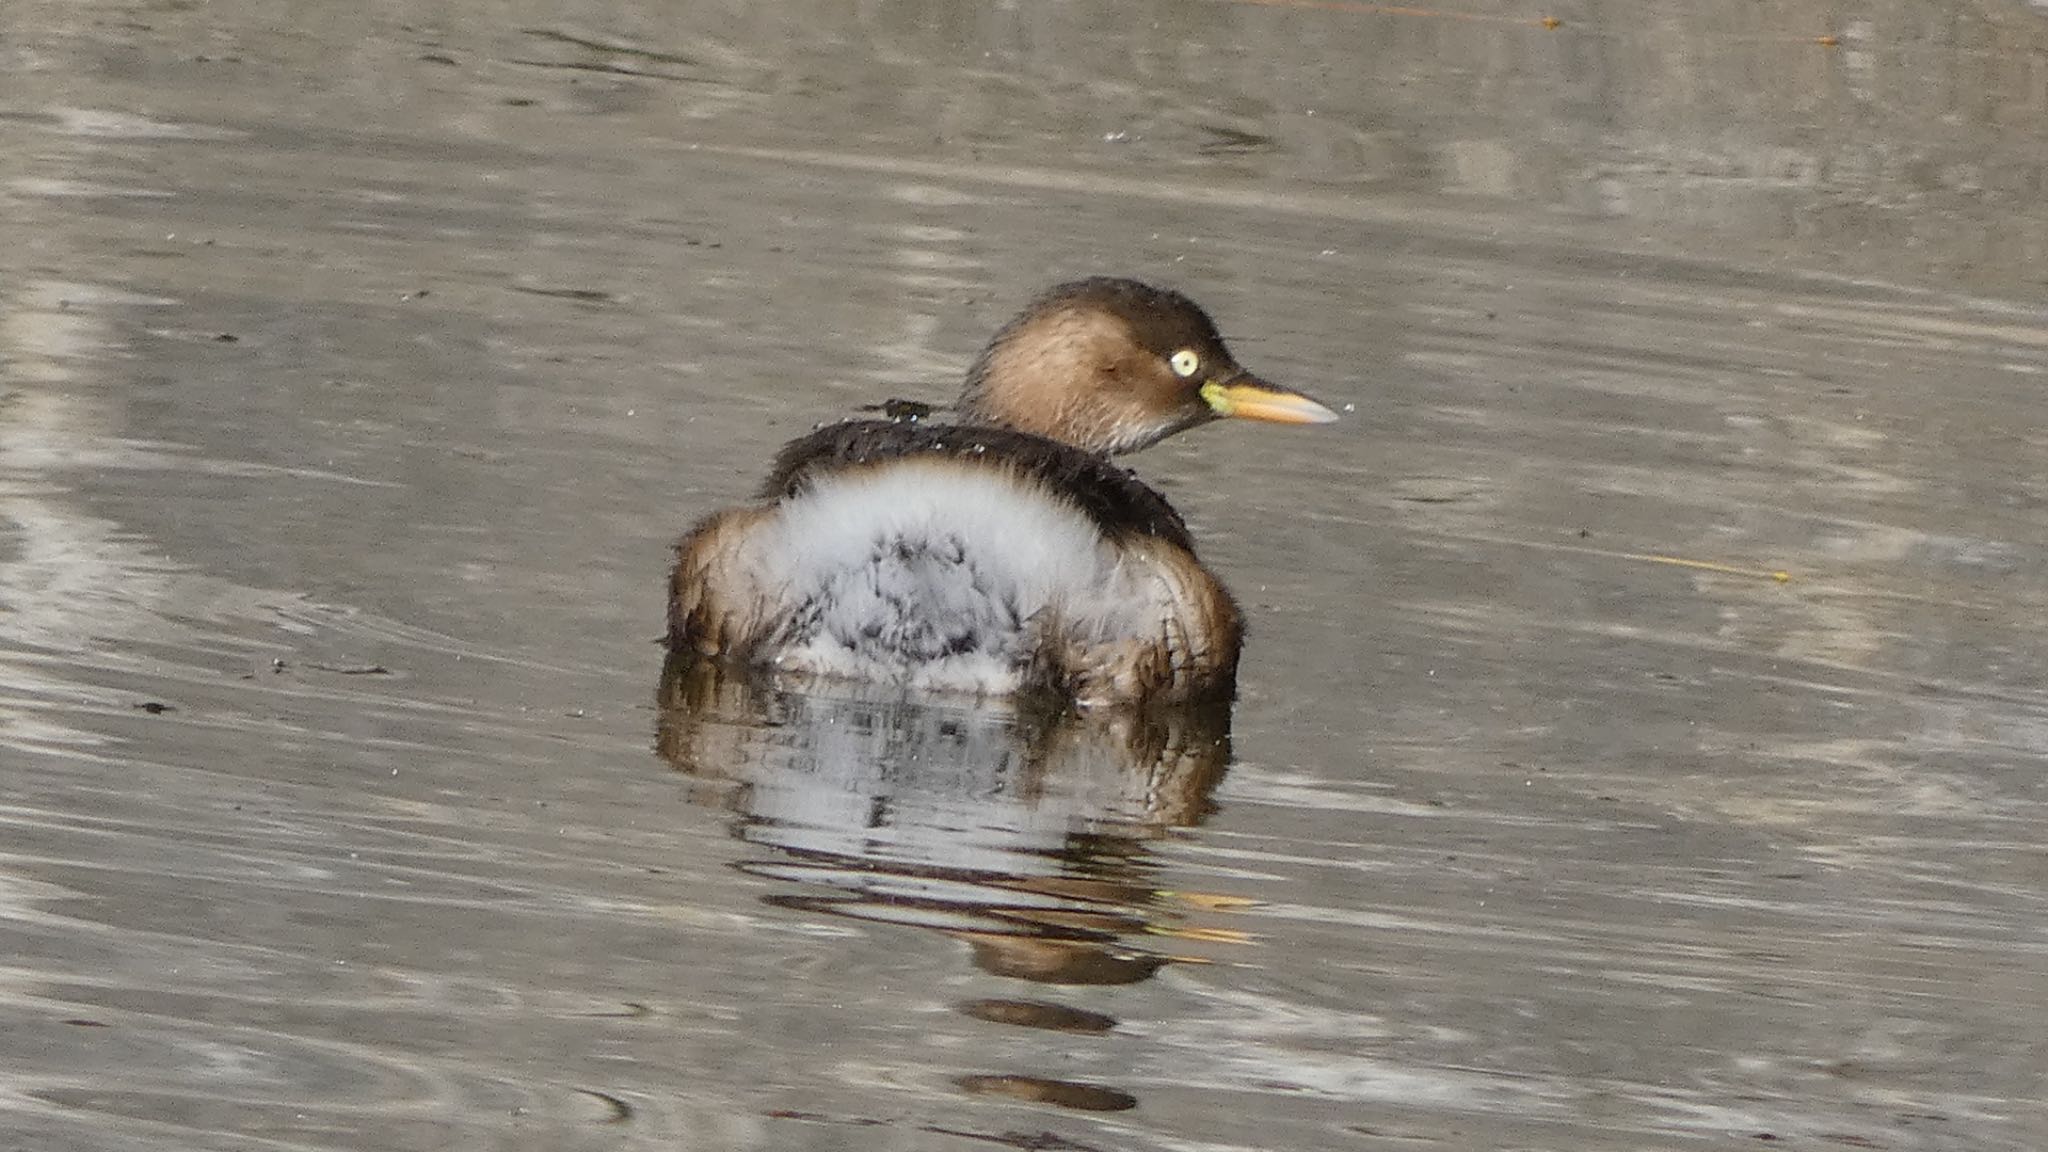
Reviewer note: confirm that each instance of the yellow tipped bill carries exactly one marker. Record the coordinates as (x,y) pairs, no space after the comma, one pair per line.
(1250,398)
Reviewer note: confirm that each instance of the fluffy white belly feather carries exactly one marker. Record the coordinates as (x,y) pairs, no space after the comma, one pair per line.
(939,576)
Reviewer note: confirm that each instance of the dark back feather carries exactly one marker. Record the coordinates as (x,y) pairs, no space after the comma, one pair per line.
(1118,502)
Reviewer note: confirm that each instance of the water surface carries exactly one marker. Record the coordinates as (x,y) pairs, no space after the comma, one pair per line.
(1641,731)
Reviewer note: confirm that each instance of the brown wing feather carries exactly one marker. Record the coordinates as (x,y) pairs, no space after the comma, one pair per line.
(715,604)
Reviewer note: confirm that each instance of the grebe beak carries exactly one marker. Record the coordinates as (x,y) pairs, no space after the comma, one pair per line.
(1247,397)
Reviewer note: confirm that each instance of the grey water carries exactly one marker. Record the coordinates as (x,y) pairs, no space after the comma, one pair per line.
(1643,730)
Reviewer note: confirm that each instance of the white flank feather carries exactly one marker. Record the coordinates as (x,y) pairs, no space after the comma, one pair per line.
(931,573)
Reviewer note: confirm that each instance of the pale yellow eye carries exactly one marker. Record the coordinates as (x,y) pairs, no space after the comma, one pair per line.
(1185,362)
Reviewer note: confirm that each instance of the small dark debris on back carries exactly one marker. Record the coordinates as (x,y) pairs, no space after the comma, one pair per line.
(902,411)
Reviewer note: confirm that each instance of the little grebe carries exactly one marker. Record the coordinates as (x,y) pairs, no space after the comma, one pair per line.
(1003,553)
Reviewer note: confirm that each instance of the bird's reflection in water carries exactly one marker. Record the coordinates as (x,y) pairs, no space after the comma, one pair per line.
(1019,831)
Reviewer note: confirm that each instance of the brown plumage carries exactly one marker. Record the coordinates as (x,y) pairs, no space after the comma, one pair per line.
(1004,553)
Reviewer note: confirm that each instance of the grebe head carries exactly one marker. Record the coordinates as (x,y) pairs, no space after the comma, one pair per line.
(1114,365)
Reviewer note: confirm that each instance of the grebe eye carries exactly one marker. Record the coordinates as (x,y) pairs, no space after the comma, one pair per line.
(1185,362)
